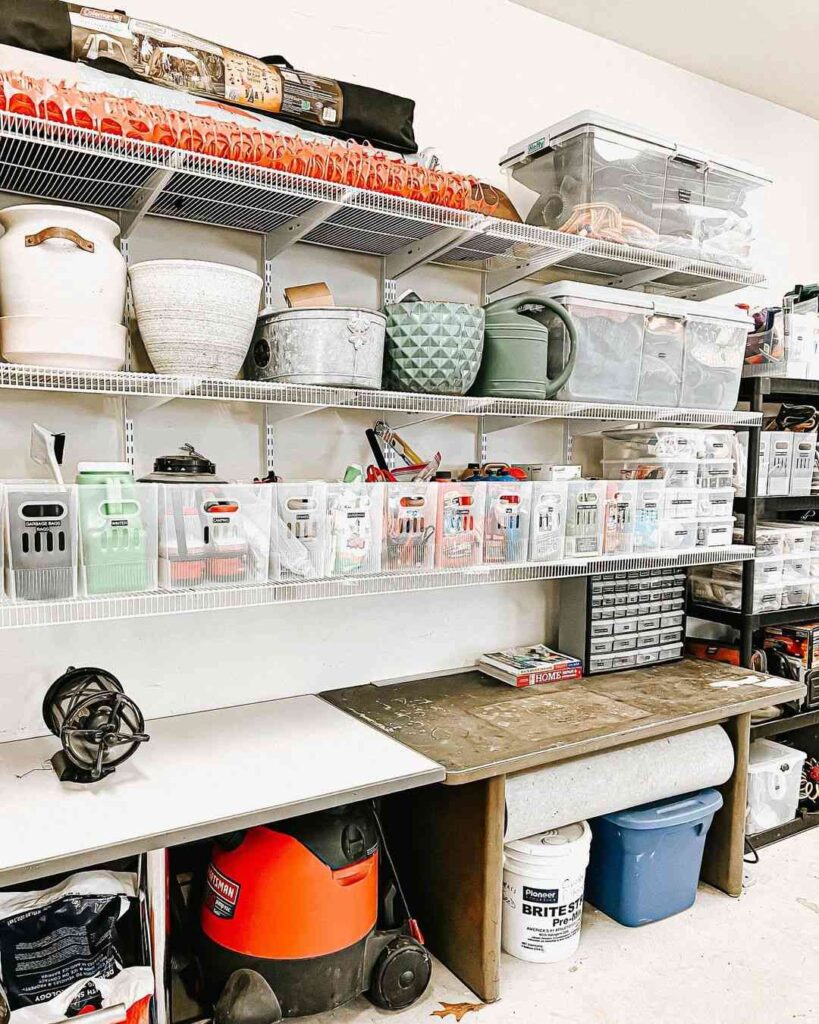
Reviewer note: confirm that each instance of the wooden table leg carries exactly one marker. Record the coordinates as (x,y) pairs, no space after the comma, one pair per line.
(725,846)
(447,842)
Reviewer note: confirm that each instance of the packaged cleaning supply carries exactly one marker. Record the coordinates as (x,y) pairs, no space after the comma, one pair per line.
(62,947)
(354,522)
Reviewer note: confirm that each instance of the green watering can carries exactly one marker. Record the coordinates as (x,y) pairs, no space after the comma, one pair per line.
(516,360)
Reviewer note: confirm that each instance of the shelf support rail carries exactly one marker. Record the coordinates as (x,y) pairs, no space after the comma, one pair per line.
(145,196)
(433,247)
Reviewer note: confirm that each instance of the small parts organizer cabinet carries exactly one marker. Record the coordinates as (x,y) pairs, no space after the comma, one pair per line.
(623,620)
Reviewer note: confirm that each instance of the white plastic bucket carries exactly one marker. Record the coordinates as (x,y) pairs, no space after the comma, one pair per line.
(543,880)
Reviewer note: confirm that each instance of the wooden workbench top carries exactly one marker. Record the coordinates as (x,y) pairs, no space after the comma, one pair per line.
(477,727)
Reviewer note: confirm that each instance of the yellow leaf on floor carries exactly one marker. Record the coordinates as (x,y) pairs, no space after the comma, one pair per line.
(457,1010)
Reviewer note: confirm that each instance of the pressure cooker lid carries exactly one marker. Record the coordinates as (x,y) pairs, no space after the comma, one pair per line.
(186,466)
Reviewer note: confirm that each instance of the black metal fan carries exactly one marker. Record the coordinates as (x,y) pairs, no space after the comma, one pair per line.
(98,726)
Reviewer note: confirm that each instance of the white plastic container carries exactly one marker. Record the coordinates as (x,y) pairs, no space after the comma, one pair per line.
(355,517)
(300,531)
(779,462)
(774,776)
(41,525)
(802,463)
(715,533)
(655,443)
(506,522)
(410,513)
(715,473)
(213,534)
(547,531)
(796,568)
(795,595)
(715,502)
(767,571)
(673,472)
(62,288)
(459,526)
(648,515)
(619,516)
(728,594)
(681,503)
(585,502)
(543,881)
(678,534)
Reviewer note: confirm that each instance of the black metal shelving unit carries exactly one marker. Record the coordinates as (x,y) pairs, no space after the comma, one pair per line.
(804,821)
(757,391)
(788,723)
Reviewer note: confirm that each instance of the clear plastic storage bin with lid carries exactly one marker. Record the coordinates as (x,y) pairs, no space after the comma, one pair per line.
(642,349)
(597,176)
(715,533)
(673,473)
(728,593)
(686,443)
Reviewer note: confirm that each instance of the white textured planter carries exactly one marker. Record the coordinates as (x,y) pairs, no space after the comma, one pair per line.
(195,317)
(62,288)
(63,341)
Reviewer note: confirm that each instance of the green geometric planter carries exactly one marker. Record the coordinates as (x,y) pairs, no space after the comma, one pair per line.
(434,348)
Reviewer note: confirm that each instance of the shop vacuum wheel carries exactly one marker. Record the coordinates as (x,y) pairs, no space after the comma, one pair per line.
(400,974)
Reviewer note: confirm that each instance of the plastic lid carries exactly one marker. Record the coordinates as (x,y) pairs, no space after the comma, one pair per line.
(675,810)
(186,462)
(658,304)
(767,754)
(554,842)
(584,119)
(104,467)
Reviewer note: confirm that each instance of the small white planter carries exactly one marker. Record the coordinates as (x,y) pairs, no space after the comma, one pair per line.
(195,317)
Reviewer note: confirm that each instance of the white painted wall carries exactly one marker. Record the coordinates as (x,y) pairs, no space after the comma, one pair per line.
(484,74)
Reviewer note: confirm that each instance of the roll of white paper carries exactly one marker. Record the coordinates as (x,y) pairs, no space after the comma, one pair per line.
(586,787)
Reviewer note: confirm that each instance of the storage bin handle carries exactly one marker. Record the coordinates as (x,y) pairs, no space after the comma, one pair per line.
(66,233)
(516,304)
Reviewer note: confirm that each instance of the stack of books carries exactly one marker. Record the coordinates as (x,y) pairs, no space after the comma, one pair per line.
(527,666)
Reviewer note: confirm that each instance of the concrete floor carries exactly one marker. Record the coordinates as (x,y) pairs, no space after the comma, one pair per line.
(725,961)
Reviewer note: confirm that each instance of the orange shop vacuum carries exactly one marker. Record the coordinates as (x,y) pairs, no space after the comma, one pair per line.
(290,916)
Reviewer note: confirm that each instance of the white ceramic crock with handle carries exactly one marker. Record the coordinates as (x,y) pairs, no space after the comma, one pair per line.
(56,261)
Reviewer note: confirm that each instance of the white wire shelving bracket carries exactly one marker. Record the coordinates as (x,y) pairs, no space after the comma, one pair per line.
(17,615)
(309,398)
(85,167)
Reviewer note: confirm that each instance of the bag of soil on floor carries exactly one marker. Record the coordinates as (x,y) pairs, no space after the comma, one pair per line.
(115,42)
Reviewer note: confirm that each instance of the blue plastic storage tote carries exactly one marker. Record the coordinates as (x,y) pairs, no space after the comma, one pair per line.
(645,862)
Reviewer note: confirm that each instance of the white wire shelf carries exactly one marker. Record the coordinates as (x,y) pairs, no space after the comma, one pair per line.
(161,386)
(16,615)
(84,167)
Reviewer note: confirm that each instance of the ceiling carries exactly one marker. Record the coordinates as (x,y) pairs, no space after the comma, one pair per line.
(763,48)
